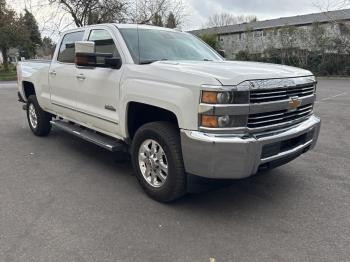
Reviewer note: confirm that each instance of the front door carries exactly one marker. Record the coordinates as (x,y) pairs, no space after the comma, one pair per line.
(98,88)
(62,75)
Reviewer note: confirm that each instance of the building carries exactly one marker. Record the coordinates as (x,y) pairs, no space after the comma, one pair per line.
(13,56)
(287,32)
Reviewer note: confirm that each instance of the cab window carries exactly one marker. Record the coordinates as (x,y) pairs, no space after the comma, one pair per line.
(67,48)
(104,43)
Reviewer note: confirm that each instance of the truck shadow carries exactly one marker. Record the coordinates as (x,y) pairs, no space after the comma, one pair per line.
(264,187)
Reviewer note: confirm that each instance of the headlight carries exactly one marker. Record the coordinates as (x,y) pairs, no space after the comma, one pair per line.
(224,97)
(226,121)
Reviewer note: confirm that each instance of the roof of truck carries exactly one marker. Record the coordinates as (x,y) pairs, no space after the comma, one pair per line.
(140,26)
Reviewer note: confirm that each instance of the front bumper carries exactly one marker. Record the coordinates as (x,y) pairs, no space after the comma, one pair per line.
(213,156)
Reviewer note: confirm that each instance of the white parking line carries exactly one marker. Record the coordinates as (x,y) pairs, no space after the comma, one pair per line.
(331,97)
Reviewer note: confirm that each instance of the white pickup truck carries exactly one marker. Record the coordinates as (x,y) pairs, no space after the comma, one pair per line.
(171,101)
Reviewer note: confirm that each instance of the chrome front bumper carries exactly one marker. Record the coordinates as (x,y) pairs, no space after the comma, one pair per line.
(214,156)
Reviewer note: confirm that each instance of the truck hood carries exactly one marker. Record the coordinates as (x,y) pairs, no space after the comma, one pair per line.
(233,72)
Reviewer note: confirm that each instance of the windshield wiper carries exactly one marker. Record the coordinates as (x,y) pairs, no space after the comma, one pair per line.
(206,59)
(150,61)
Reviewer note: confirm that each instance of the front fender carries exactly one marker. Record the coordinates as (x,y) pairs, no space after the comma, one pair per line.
(182,101)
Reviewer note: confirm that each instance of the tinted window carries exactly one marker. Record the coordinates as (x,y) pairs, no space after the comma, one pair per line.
(103,42)
(67,49)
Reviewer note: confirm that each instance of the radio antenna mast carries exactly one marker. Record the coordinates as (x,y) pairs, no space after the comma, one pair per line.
(137,29)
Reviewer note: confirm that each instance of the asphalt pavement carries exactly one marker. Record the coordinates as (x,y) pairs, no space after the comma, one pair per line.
(63,199)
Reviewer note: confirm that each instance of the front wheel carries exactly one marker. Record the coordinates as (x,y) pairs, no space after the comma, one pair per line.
(157,160)
(38,119)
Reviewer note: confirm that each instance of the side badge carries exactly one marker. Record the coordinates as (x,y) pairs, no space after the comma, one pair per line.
(110,108)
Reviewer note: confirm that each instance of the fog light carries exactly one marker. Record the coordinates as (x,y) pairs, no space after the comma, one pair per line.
(225,121)
(209,121)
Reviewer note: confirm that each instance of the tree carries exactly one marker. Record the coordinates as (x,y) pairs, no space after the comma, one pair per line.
(94,11)
(327,5)
(30,25)
(157,20)
(171,21)
(104,11)
(211,40)
(11,33)
(47,48)
(225,19)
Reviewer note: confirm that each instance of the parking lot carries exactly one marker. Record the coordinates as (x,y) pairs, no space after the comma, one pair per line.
(63,199)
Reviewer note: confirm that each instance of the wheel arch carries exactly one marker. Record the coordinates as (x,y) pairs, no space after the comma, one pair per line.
(138,114)
(28,89)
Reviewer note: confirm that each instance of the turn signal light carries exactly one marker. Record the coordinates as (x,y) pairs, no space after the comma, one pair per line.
(209,121)
(209,97)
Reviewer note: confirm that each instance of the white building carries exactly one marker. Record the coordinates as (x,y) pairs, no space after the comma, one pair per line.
(13,56)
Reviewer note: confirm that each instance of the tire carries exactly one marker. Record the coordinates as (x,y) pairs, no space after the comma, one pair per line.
(167,139)
(38,119)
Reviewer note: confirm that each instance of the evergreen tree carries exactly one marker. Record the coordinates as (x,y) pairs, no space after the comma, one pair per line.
(171,21)
(157,20)
(29,23)
(210,39)
(11,33)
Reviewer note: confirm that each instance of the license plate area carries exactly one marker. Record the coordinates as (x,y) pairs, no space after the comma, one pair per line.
(276,148)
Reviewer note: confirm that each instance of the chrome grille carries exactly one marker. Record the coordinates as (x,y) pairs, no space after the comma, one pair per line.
(276,119)
(277,94)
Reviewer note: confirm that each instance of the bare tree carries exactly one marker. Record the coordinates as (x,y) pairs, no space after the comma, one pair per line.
(328,5)
(224,19)
(52,18)
(145,11)
(86,12)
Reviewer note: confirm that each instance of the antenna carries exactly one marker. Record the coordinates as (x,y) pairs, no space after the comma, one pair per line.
(137,29)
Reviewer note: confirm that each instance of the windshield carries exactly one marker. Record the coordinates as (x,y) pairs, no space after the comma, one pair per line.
(156,45)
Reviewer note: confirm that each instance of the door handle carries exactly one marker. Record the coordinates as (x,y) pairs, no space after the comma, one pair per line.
(52,72)
(80,77)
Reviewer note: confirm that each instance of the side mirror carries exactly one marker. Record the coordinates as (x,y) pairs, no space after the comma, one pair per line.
(113,62)
(85,54)
(221,52)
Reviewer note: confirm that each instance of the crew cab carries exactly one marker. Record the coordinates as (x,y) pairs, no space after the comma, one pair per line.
(172,102)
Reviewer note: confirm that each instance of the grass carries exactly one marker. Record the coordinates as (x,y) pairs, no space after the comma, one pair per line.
(8,76)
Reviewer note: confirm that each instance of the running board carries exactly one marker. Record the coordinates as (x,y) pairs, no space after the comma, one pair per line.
(111,144)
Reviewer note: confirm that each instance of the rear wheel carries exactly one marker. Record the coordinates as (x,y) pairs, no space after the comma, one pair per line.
(157,160)
(38,119)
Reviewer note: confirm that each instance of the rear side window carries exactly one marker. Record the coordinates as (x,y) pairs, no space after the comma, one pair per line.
(67,48)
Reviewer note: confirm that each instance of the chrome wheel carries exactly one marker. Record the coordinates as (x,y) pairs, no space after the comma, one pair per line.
(33,118)
(153,163)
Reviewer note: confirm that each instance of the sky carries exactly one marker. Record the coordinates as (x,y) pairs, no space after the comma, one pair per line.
(200,10)
(197,11)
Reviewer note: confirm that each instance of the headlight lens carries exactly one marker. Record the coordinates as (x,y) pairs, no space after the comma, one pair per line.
(224,97)
(226,121)
(213,97)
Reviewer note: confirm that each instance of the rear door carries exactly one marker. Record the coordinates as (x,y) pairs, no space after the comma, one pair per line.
(63,72)
(98,88)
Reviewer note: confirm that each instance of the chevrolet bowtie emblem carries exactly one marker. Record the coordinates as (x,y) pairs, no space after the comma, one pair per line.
(294,103)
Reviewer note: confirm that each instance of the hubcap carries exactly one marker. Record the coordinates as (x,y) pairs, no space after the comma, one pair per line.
(153,163)
(32,116)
